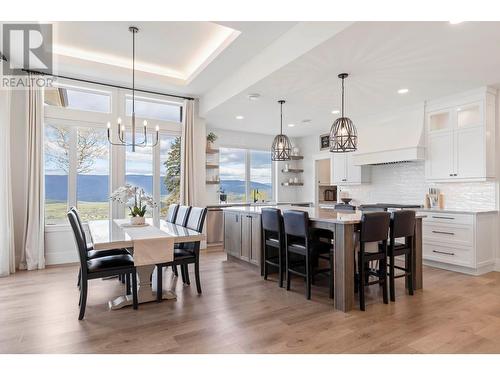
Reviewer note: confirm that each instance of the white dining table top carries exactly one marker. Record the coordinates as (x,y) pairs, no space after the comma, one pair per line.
(108,234)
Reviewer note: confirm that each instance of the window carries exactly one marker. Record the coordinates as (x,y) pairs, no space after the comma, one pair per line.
(170,171)
(139,169)
(92,170)
(245,175)
(151,109)
(76,156)
(80,99)
(56,173)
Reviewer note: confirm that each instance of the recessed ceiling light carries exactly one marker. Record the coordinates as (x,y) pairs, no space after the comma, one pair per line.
(253,97)
(403,91)
(455,22)
(335,112)
(239,117)
(291,125)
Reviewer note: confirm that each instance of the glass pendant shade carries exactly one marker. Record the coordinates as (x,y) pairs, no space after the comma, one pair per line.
(343,134)
(282,147)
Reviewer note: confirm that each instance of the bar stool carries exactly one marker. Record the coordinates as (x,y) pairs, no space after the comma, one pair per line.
(373,232)
(402,226)
(274,242)
(300,245)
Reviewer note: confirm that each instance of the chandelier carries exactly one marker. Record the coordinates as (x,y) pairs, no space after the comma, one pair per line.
(122,141)
(343,134)
(281,148)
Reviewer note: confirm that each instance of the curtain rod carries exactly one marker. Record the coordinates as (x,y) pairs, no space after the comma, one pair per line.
(108,84)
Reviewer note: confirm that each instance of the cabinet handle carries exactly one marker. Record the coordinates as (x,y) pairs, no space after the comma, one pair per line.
(440,232)
(442,252)
(443,217)
(451,174)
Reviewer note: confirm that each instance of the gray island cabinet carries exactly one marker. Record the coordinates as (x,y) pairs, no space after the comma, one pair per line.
(243,241)
(242,236)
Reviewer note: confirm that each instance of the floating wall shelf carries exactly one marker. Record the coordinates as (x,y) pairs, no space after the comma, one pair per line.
(292,184)
(212,182)
(296,157)
(292,170)
(212,166)
(212,150)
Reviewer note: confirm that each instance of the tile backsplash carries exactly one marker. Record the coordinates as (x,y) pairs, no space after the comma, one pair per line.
(405,183)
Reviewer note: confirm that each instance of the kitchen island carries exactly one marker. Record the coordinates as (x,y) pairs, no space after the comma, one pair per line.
(243,240)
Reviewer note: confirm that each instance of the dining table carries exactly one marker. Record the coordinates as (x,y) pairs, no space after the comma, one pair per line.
(118,233)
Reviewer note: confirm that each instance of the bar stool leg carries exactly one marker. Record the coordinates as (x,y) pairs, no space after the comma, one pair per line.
(280,267)
(383,275)
(308,277)
(392,277)
(361,267)
(287,271)
(265,262)
(409,276)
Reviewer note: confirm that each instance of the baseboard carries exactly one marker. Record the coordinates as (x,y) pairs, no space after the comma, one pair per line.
(488,267)
(60,257)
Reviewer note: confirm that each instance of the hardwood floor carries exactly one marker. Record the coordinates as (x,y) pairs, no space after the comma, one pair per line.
(241,313)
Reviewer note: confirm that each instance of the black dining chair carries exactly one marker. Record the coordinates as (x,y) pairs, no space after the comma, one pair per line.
(299,244)
(93,254)
(274,242)
(188,253)
(182,215)
(374,229)
(172,213)
(402,226)
(97,268)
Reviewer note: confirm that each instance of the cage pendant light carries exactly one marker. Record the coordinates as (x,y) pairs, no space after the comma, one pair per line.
(282,147)
(343,134)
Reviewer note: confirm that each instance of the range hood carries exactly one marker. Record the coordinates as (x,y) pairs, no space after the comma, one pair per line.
(393,138)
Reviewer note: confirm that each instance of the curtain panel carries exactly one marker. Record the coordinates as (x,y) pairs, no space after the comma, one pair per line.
(33,256)
(7,254)
(187,188)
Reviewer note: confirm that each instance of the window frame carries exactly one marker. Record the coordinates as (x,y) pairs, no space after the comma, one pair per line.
(248,189)
(73,119)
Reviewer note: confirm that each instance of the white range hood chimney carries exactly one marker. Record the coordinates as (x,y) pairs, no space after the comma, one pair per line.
(392,138)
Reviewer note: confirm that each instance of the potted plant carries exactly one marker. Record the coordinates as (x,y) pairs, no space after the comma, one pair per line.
(136,200)
(211,138)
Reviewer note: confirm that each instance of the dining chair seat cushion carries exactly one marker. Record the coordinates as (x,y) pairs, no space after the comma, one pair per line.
(183,253)
(110,262)
(92,254)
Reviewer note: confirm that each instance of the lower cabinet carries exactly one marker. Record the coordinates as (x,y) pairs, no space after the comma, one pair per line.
(243,236)
(460,242)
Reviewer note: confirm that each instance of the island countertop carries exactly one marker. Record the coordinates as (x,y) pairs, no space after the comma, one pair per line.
(315,213)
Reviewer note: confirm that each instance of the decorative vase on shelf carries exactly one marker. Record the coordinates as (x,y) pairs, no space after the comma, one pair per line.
(137,220)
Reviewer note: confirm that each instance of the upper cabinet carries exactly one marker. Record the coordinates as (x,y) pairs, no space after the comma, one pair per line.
(344,172)
(461,138)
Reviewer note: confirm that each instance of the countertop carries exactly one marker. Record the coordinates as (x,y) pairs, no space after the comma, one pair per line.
(258,204)
(458,211)
(315,213)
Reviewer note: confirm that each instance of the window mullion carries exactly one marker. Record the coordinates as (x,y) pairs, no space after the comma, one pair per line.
(156,179)
(73,165)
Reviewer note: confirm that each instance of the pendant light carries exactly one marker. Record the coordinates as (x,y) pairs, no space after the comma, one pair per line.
(282,147)
(343,134)
(121,128)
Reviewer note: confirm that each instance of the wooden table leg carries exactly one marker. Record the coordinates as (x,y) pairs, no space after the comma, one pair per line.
(344,267)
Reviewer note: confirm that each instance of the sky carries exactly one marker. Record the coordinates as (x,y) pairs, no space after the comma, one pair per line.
(232,165)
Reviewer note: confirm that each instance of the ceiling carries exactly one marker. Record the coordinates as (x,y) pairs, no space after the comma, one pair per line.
(179,57)
(431,59)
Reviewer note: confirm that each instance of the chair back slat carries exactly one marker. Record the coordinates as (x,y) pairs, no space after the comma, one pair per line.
(196,218)
(374,226)
(172,212)
(403,224)
(79,238)
(182,215)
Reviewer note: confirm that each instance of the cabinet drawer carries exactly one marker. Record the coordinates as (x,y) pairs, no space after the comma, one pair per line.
(453,234)
(451,255)
(447,218)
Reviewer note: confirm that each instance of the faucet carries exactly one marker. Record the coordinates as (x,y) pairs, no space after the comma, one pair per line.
(255,195)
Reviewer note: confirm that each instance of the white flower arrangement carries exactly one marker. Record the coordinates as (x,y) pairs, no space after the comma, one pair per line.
(135,199)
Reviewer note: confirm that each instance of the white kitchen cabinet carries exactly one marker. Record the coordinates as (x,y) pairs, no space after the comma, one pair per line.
(461,138)
(344,172)
(463,242)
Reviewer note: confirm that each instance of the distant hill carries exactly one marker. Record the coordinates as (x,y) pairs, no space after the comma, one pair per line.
(94,188)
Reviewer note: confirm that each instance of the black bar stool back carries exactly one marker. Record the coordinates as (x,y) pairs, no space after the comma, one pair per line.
(172,213)
(274,242)
(374,229)
(299,245)
(402,226)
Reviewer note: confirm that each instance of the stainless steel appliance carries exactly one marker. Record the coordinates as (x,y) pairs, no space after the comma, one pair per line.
(215,226)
